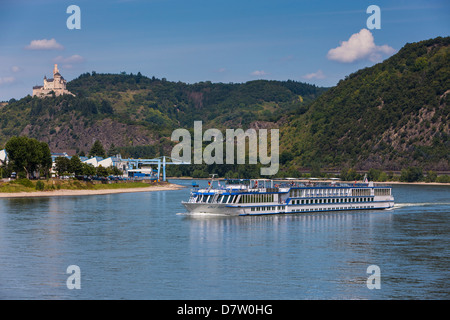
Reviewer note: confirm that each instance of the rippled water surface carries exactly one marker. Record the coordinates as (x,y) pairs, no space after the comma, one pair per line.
(143,246)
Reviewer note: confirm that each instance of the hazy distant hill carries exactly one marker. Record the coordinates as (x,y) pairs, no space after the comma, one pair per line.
(392,115)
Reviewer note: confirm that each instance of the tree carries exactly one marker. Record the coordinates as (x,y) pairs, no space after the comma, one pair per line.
(285,157)
(105,107)
(28,155)
(315,171)
(112,150)
(62,165)
(443,179)
(349,175)
(138,77)
(114,171)
(89,169)
(431,176)
(76,166)
(46,162)
(412,174)
(373,174)
(97,150)
(101,171)
(382,177)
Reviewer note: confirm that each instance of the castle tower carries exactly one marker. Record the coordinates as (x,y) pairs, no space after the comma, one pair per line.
(56,86)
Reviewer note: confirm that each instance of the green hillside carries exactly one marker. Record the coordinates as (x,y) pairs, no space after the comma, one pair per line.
(139,113)
(173,104)
(389,116)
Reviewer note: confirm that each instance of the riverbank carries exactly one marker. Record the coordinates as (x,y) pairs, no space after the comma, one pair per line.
(421,183)
(84,190)
(417,183)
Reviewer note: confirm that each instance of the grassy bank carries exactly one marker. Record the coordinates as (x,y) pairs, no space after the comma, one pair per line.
(25,185)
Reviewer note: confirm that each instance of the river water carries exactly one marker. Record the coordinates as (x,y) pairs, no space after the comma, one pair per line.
(144,246)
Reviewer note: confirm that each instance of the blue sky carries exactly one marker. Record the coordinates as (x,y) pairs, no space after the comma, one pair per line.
(318,42)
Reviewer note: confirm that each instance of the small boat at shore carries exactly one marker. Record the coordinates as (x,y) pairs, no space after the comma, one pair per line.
(265,196)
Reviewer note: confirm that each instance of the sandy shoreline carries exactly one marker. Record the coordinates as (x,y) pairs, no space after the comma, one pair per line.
(58,193)
(422,183)
(417,183)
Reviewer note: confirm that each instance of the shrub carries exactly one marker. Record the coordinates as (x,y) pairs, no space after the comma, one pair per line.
(25,182)
(382,177)
(443,179)
(412,174)
(431,176)
(40,185)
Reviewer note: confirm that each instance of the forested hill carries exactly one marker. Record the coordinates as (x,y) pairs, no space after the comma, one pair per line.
(131,110)
(389,116)
(163,103)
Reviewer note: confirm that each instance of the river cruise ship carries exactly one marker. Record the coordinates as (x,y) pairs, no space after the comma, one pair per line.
(259,197)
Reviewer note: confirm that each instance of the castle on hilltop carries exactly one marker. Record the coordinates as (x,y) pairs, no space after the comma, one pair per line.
(56,85)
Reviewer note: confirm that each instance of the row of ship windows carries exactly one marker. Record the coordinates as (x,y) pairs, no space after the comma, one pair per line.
(266,208)
(344,200)
(272,209)
(220,199)
(319,192)
(383,192)
(337,192)
(256,198)
(329,209)
(246,198)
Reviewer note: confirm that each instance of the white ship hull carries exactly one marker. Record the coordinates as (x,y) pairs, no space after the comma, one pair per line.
(226,210)
(211,208)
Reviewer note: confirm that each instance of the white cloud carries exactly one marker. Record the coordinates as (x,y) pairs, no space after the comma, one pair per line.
(69,62)
(259,73)
(360,46)
(7,80)
(315,75)
(16,69)
(72,59)
(287,58)
(44,44)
